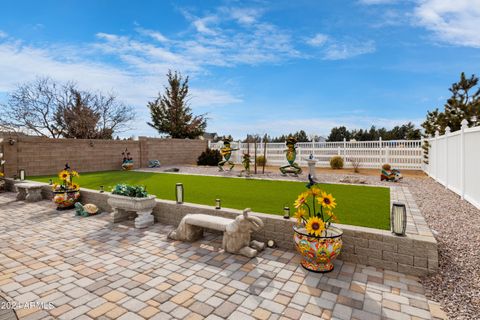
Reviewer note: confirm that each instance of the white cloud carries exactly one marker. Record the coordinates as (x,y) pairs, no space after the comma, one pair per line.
(3,34)
(454,22)
(349,49)
(152,34)
(318,40)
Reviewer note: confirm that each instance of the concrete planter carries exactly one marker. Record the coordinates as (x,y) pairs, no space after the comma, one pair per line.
(318,253)
(122,205)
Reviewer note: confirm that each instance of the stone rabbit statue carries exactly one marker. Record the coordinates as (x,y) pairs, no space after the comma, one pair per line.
(236,238)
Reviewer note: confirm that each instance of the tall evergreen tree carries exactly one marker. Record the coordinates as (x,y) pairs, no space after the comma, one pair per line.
(171,113)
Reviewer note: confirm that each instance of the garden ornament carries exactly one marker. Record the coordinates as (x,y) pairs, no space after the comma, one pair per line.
(127,163)
(246,164)
(85,210)
(226,153)
(153,163)
(236,232)
(291,154)
(390,174)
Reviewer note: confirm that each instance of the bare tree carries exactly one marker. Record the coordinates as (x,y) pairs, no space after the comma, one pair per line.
(31,107)
(356,162)
(46,108)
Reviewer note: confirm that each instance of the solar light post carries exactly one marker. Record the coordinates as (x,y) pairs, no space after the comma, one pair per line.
(286,212)
(179,192)
(101,189)
(218,204)
(21,173)
(398,218)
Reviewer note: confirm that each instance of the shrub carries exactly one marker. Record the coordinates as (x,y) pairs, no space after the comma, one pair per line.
(336,162)
(355,164)
(209,157)
(130,191)
(261,161)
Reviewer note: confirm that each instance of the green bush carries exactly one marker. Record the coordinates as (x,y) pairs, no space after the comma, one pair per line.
(336,162)
(130,191)
(209,157)
(261,161)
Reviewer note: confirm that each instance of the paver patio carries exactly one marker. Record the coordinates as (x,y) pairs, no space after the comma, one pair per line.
(90,269)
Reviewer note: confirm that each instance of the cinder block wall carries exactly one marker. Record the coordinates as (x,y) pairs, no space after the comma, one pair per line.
(43,156)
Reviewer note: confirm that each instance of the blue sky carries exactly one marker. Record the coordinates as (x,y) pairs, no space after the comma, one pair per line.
(255,66)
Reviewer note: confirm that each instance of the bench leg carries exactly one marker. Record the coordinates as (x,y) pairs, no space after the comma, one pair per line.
(144,219)
(21,194)
(34,195)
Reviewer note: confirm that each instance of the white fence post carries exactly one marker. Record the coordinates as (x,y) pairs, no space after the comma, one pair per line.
(380,146)
(345,149)
(462,158)
(435,169)
(447,137)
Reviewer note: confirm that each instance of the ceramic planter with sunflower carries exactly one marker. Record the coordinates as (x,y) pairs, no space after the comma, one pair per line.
(66,193)
(318,242)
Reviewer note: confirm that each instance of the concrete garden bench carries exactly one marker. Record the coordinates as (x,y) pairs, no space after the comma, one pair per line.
(30,192)
(236,232)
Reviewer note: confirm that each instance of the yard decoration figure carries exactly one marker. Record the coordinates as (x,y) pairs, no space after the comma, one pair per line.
(390,174)
(127,163)
(246,164)
(226,153)
(291,155)
(85,210)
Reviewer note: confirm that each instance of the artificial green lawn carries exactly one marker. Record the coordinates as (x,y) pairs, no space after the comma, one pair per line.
(357,205)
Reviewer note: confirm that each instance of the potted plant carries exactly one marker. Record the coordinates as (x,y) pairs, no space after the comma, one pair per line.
(126,198)
(315,238)
(67,192)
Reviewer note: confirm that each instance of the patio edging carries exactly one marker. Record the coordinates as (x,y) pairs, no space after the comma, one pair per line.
(413,254)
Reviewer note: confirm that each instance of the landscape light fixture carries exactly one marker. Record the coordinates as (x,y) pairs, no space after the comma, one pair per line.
(218,204)
(398,218)
(101,189)
(286,212)
(179,192)
(21,173)
(271,244)
(50,181)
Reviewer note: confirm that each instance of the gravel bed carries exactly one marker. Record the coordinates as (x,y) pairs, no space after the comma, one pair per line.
(456,226)
(276,175)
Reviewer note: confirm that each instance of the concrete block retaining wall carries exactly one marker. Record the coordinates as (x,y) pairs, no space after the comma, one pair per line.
(413,254)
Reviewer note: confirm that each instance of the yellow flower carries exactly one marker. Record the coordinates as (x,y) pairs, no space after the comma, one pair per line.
(315,226)
(299,214)
(64,175)
(314,191)
(74,173)
(75,186)
(327,201)
(1,174)
(302,198)
(331,215)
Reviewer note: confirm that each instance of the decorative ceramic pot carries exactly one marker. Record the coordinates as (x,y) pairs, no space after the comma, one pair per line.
(66,199)
(318,253)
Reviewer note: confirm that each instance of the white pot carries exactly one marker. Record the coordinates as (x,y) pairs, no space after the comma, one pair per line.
(142,206)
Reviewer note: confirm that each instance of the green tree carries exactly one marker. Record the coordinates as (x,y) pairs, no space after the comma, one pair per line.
(463,104)
(171,113)
(338,134)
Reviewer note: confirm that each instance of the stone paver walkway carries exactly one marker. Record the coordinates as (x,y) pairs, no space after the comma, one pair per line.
(89,269)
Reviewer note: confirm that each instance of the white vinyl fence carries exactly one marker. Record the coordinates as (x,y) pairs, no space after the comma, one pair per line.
(454,161)
(401,154)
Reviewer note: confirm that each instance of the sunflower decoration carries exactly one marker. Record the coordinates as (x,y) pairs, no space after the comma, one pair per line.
(316,216)
(327,201)
(66,176)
